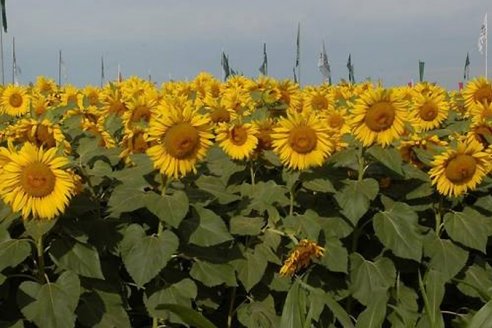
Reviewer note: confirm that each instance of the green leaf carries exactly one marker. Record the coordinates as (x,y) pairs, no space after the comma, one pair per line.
(102,309)
(211,274)
(373,316)
(467,228)
(306,225)
(433,294)
(335,227)
(170,209)
(251,269)
(265,194)
(336,256)
(477,282)
(125,198)
(319,185)
(211,229)
(446,257)
(405,313)
(338,311)
(181,292)
(189,316)
(368,278)
(293,312)
(51,305)
(38,228)
(354,199)
(481,319)
(244,226)
(12,251)
(77,257)
(258,314)
(389,157)
(217,188)
(145,256)
(397,229)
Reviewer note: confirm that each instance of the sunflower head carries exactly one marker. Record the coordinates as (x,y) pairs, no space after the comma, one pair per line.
(477,91)
(15,100)
(301,256)
(237,140)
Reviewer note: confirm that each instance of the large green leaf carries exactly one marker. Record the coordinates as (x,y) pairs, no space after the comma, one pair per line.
(211,274)
(477,282)
(125,198)
(210,229)
(145,256)
(338,311)
(397,229)
(251,269)
(181,293)
(188,315)
(481,319)
(12,251)
(245,226)
(80,258)
(389,157)
(368,278)
(51,305)
(373,316)
(355,198)
(319,185)
(102,309)
(38,228)
(294,310)
(405,311)
(446,257)
(467,228)
(217,188)
(336,256)
(258,314)
(267,194)
(170,209)
(432,291)
(306,225)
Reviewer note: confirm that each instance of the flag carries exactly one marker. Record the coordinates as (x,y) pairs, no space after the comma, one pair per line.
(295,76)
(225,65)
(264,66)
(4,16)
(350,69)
(62,69)
(466,71)
(421,70)
(460,86)
(482,39)
(16,71)
(324,65)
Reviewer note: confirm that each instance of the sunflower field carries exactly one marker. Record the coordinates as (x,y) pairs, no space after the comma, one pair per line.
(245,203)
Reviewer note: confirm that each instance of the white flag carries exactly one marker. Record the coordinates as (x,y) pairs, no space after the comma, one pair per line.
(482,40)
(324,64)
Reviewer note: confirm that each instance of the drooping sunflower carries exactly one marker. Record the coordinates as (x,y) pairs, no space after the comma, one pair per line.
(301,141)
(15,100)
(237,140)
(428,111)
(35,183)
(182,136)
(378,116)
(300,257)
(460,168)
(477,91)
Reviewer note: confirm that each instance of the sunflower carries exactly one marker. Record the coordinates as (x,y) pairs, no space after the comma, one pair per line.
(39,104)
(428,111)
(318,100)
(300,257)
(481,113)
(35,183)
(218,113)
(237,140)
(45,86)
(238,100)
(460,168)
(301,141)
(409,148)
(91,94)
(134,141)
(482,132)
(264,135)
(477,91)
(428,89)
(40,133)
(378,116)
(336,120)
(15,100)
(139,109)
(70,96)
(182,136)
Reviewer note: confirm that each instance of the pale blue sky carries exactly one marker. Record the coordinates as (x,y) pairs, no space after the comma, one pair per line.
(180,38)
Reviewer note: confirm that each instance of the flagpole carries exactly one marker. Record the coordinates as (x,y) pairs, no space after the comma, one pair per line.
(13,60)
(59,66)
(486,43)
(102,71)
(1,54)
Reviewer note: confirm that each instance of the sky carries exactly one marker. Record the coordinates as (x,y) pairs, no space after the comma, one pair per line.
(177,39)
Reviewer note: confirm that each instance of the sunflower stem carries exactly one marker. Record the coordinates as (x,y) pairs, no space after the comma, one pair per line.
(291,203)
(231,307)
(40,253)
(252,174)
(360,158)
(155,322)
(438,217)
(164,182)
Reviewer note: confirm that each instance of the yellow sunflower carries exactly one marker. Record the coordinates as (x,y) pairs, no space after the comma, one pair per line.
(15,100)
(477,91)
(301,256)
(35,183)
(237,140)
(134,141)
(481,113)
(378,116)
(301,141)
(408,148)
(318,100)
(45,86)
(460,168)
(428,111)
(182,136)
